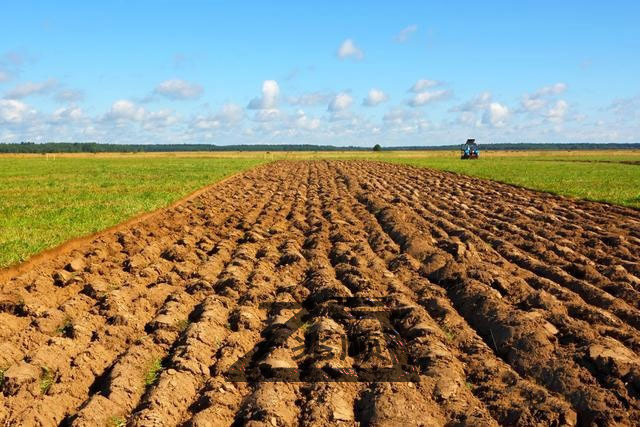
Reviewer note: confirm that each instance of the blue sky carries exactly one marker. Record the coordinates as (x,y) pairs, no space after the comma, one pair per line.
(341,73)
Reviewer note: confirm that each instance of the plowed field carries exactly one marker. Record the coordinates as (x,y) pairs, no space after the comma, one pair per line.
(248,304)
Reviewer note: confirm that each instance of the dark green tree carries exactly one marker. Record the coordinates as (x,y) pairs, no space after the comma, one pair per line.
(377,147)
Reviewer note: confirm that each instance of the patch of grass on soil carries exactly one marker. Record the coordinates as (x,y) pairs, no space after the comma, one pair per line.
(152,372)
(47,376)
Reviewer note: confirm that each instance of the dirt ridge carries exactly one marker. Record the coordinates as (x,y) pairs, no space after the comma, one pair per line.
(502,306)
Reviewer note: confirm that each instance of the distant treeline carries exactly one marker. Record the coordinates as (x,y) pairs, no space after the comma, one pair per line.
(94,147)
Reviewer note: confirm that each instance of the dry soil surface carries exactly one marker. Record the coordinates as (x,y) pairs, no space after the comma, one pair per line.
(494,305)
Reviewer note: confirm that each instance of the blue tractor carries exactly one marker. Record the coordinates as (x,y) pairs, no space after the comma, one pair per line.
(469,150)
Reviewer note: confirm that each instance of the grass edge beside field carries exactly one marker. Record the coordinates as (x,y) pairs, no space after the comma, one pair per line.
(34,226)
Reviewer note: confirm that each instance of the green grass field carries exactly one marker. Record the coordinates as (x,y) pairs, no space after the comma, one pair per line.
(45,201)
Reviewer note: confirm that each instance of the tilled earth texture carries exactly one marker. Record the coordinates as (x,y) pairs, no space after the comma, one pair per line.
(335,293)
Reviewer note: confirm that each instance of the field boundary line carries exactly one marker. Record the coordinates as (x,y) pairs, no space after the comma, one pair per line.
(11,271)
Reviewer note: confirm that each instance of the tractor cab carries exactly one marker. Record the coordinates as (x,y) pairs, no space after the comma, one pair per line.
(469,150)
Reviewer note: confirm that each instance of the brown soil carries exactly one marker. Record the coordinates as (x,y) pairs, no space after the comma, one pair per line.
(511,307)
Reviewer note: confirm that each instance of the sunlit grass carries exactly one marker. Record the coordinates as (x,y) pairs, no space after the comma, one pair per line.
(152,372)
(47,377)
(44,202)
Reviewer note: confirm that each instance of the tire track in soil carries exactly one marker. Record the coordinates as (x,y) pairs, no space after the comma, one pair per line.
(515,307)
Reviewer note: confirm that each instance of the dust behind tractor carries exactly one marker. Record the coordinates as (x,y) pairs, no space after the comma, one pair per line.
(469,150)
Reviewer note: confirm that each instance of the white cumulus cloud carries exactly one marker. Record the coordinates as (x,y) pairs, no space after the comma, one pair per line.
(155,120)
(398,116)
(13,111)
(479,102)
(231,113)
(482,110)
(554,89)
(67,114)
(267,115)
(532,104)
(375,97)
(124,109)
(228,116)
(539,99)
(269,98)
(178,89)
(558,111)
(402,121)
(302,121)
(495,115)
(422,85)
(404,35)
(340,102)
(31,88)
(424,98)
(468,118)
(348,49)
